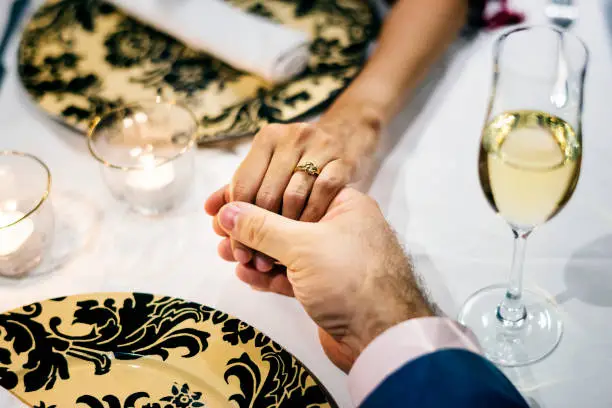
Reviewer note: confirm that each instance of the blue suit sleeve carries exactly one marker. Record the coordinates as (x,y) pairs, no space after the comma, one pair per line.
(446,378)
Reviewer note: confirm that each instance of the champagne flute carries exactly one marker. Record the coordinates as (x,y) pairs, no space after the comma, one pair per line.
(529,163)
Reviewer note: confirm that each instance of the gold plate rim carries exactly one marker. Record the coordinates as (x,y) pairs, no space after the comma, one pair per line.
(120,299)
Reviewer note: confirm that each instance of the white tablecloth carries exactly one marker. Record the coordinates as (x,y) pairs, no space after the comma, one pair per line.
(428,188)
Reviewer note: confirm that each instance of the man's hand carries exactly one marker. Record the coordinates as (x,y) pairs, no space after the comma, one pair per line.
(348,271)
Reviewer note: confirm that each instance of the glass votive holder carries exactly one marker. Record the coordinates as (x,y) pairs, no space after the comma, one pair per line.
(146,154)
(26,215)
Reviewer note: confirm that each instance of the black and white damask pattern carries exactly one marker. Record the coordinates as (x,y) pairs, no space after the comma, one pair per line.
(76,67)
(144,326)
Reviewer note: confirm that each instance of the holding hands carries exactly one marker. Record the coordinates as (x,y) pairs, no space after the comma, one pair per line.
(294,228)
(296,170)
(348,270)
(287,201)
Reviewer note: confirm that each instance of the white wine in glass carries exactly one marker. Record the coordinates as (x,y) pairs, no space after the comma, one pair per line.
(529,164)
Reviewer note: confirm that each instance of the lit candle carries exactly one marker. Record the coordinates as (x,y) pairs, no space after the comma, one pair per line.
(151,177)
(13,237)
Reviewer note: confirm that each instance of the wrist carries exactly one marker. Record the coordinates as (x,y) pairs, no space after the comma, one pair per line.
(393,299)
(375,324)
(355,118)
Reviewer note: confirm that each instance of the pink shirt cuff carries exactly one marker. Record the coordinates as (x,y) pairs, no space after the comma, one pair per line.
(402,343)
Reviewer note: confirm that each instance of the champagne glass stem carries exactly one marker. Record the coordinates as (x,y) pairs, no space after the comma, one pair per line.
(511,311)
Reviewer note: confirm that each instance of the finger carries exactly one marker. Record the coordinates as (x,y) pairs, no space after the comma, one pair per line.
(249,175)
(333,178)
(225,250)
(212,206)
(242,253)
(276,281)
(296,194)
(248,178)
(338,353)
(277,188)
(217,200)
(264,231)
(226,253)
(263,262)
(277,178)
(217,228)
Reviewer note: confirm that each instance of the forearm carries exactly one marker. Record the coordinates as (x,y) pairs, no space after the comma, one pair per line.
(392,295)
(414,35)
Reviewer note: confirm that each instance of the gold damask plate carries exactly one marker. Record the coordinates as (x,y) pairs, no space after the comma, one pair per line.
(134,350)
(80,58)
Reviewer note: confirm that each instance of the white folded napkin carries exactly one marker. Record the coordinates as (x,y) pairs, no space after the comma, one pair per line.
(247,42)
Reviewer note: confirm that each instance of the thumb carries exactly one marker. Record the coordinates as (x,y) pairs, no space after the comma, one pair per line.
(262,230)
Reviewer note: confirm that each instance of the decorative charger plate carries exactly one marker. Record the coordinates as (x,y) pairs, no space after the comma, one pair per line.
(79,58)
(133,350)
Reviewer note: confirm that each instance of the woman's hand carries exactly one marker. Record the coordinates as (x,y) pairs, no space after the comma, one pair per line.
(341,147)
(267,177)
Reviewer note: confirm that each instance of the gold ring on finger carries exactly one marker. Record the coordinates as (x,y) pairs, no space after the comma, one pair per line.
(309,168)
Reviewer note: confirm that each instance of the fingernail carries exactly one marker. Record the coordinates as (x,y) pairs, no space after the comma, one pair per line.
(242,255)
(227,218)
(263,264)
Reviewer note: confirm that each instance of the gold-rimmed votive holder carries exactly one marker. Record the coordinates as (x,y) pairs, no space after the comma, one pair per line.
(26,214)
(146,152)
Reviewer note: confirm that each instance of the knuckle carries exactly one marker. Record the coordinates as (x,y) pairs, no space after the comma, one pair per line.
(372,202)
(267,199)
(313,213)
(350,166)
(294,197)
(349,162)
(303,132)
(241,191)
(330,182)
(270,131)
(328,142)
(256,231)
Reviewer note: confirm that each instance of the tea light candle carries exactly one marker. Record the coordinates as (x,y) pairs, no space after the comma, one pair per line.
(151,177)
(13,237)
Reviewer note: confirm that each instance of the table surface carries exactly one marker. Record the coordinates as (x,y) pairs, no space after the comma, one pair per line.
(428,188)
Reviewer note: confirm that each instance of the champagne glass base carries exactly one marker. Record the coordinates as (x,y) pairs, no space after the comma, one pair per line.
(515,344)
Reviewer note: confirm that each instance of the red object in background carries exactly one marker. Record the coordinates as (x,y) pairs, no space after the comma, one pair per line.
(504,17)
(477,19)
